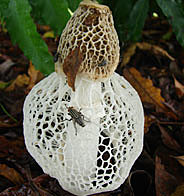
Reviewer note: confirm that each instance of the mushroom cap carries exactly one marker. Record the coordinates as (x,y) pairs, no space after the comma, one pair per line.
(99,157)
(91,29)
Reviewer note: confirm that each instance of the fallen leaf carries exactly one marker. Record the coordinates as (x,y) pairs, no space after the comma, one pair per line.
(176,71)
(12,102)
(130,51)
(4,183)
(179,191)
(128,54)
(40,186)
(179,85)
(165,183)
(5,66)
(18,191)
(154,49)
(168,140)
(11,174)
(148,121)
(9,123)
(34,76)
(147,92)
(20,81)
(15,148)
(180,159)
(176,107)
(71,66)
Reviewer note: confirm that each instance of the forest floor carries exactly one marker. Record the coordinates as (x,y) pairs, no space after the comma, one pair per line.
(153,66)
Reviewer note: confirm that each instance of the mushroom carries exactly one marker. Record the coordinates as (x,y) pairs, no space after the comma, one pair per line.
(88,139)
(91,28)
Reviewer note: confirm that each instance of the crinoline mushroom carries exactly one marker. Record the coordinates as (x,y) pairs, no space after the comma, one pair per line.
(86,131)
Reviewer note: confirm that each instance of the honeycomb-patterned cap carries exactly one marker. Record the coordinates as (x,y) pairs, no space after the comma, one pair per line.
(91,29)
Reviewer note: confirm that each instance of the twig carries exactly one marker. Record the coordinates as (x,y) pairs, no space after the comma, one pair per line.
(6,112)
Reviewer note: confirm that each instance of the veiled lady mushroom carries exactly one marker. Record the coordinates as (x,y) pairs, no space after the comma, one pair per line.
(88,139)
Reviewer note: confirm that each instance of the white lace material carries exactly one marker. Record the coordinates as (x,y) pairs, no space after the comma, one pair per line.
(99,157)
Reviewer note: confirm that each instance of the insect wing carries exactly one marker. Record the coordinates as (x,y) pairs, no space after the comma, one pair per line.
(74,113)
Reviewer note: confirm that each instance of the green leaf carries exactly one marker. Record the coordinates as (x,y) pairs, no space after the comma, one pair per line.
(137,19)
(120,17)
(4,5)
(174,12)
(52,12)
(36,13)
(154,8)
(73,4)
(117,10)
(4,84)
(100,1)
(23,31)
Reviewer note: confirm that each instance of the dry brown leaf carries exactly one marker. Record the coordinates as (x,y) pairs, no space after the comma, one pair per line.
(71,66)
(6,65)
(15,148)
(34,76)
(168,140)
(165,183)
(128,54)
(180,159)
(148,121)
(179,85)
(9,123)
(20,81)
(40,186)
(179,191)
(147,92)
(11,174)
(155,49)
(144,46)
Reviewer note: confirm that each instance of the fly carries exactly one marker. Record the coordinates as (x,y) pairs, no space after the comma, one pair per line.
(103,63)
(76,117)
(56,56)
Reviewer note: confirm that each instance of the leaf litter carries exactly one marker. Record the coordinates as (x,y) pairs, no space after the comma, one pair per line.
(154,67)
